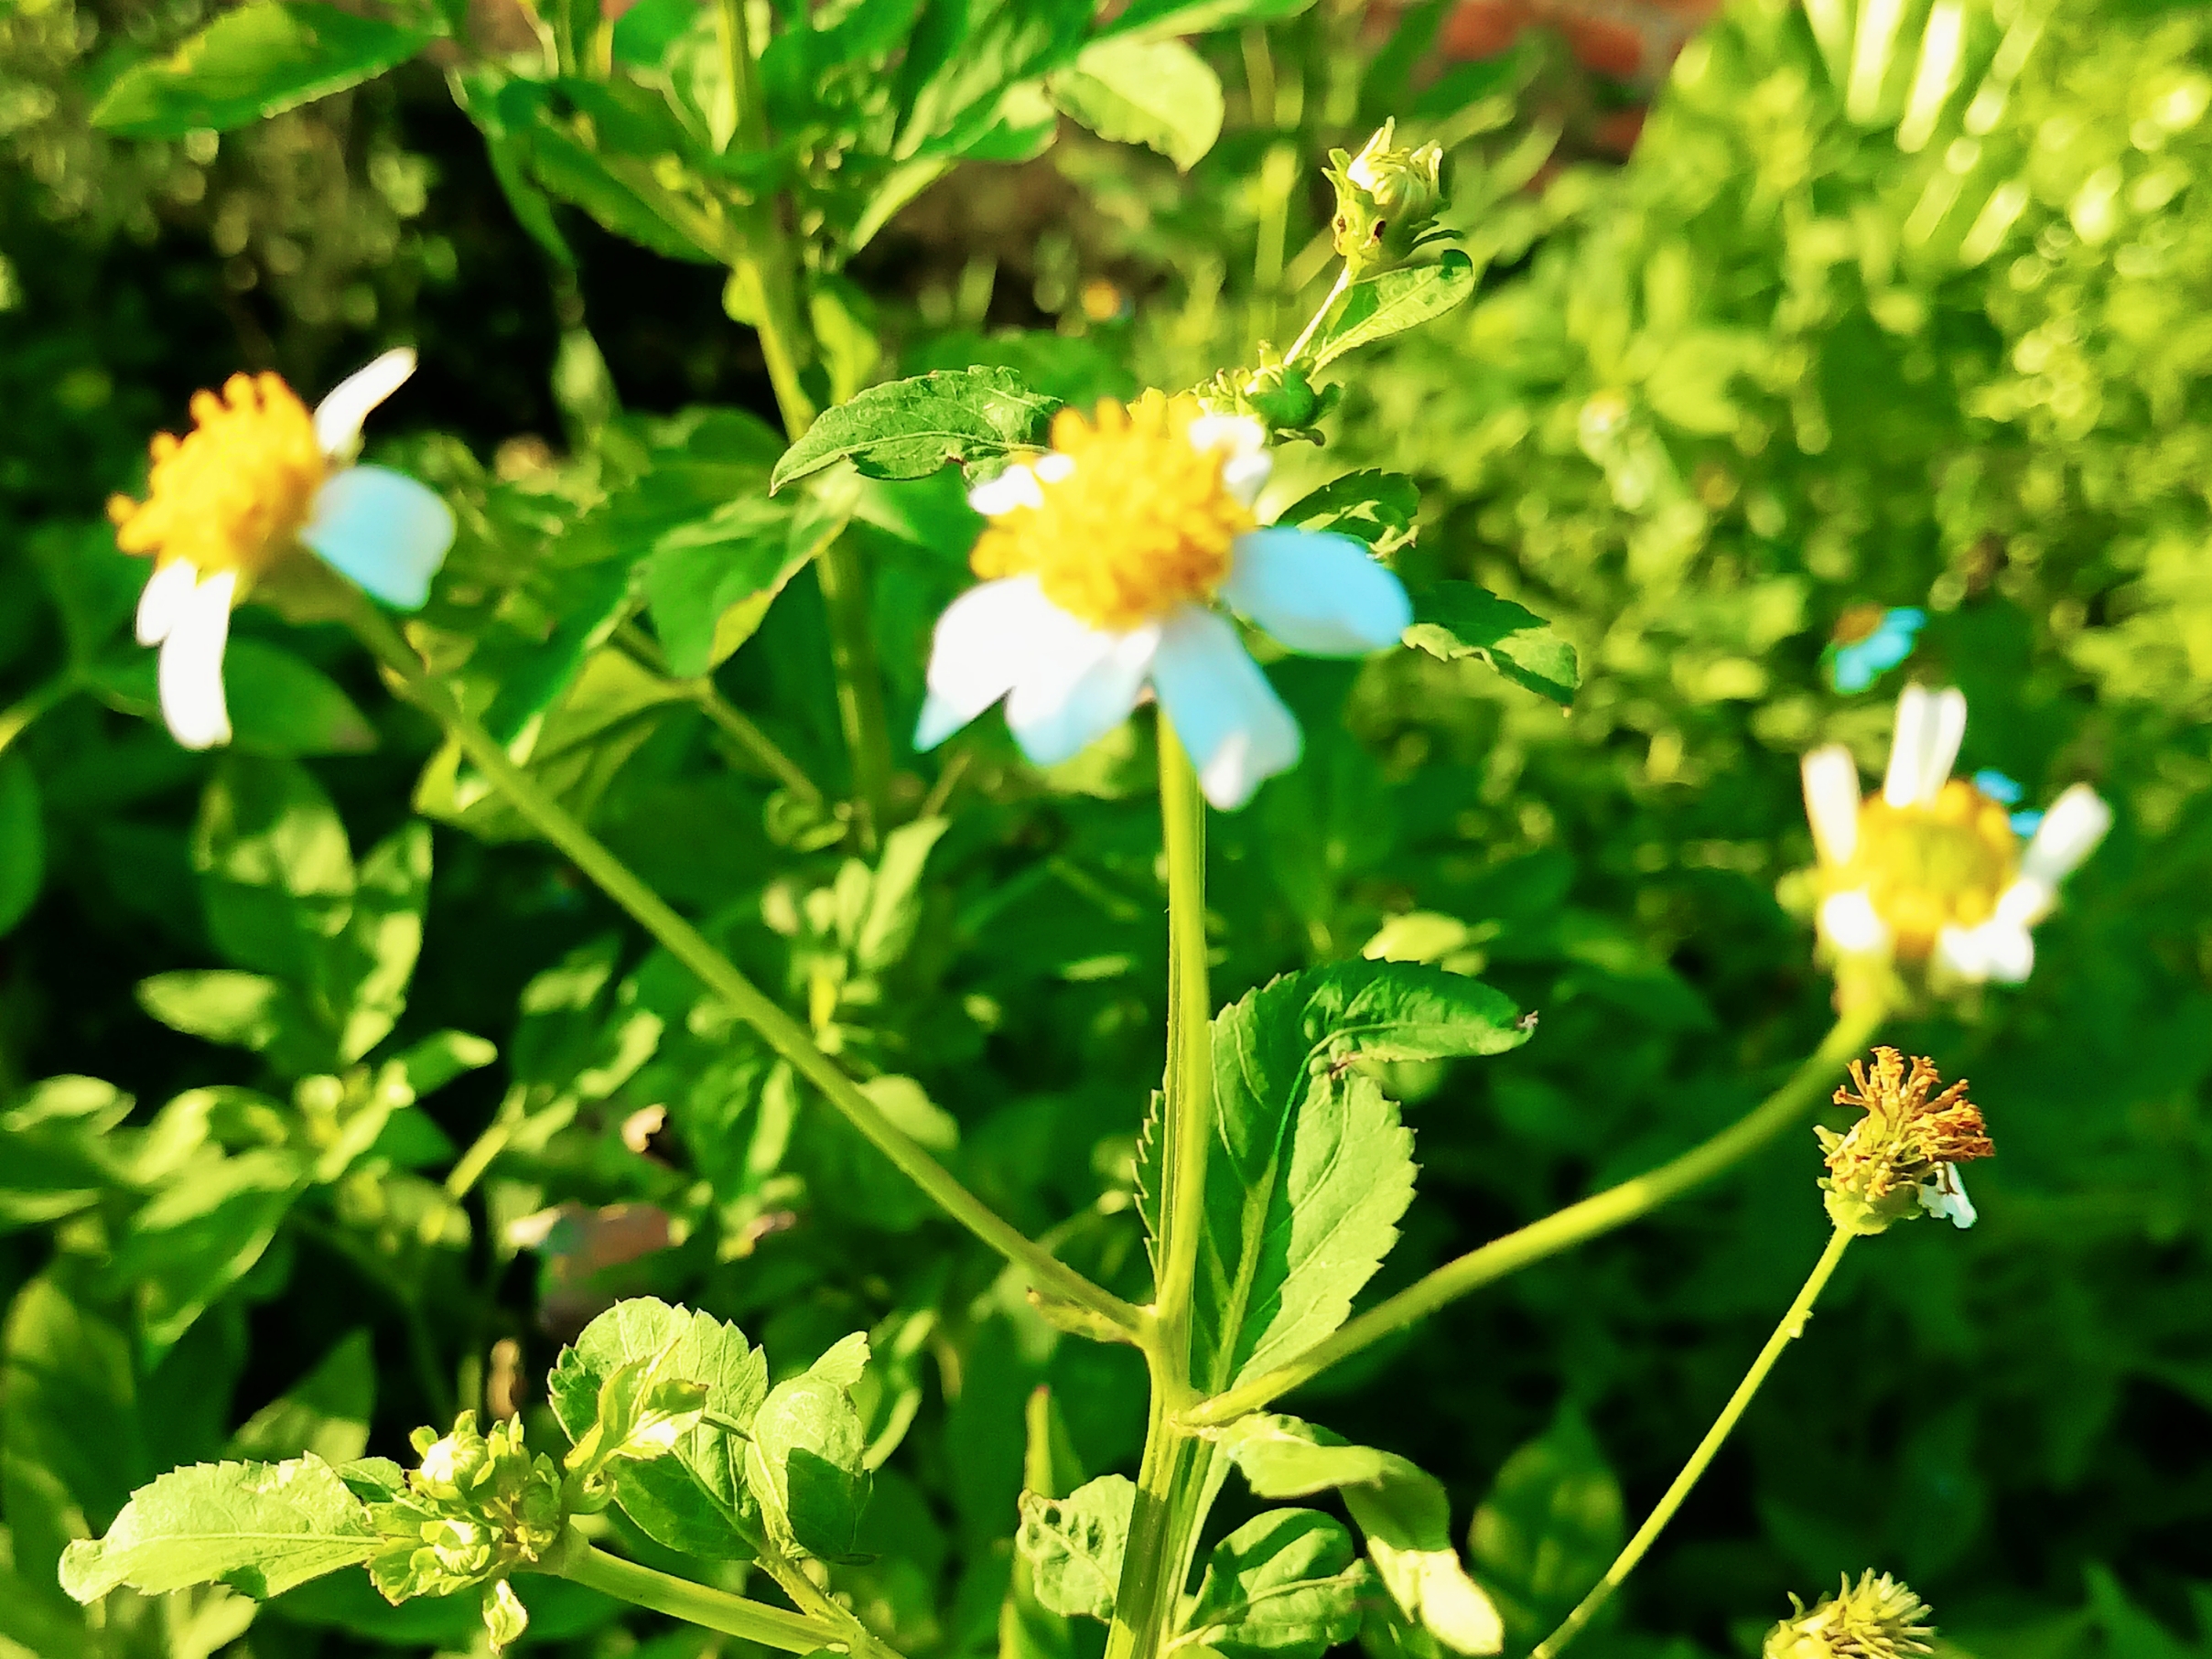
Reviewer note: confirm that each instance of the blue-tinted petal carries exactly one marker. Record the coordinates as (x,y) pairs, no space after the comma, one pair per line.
(1997,786)
(383,529)
(2026,825)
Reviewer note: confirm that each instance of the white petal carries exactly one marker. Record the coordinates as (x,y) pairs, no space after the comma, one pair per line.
(386,531)
(2009,949)
(1078,691)
(1832,801)
(163,597)
(1931,726)
(339,416)
(2027,901)
(1054,467)
(1850,923)
(1016,487)
(985,640)
(1243,442)
(191,665)
(1244,476)
(1944,1196)
(1317,592)
(1236,730)
(2068,833)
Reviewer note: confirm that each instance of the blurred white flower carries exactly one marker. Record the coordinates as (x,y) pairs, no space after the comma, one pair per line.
(257,479)
(1930,870)
(1103,561)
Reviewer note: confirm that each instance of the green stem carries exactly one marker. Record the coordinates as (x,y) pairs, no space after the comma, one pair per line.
(1576,1224)
(810,1598)
(1344,281)
(726,717)
(1172,1471)
(700,1604)
(1788,1330)
(720,975)
(852,648)
(18,718)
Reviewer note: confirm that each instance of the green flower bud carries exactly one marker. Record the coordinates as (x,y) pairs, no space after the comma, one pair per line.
(1874,1618)
(1386,199)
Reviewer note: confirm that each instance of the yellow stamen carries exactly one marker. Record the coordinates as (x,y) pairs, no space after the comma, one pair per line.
(1143,523)
(234,492)
(1928,868)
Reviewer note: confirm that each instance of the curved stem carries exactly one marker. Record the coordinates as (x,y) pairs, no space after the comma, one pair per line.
(1788,1330)
(1344,281)
(731,721)
(18,717)
(700,1604)
(1576,1224)
(809,1598)
(722,976)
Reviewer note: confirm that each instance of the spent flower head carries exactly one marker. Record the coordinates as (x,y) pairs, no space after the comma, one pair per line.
(1873,1619)
(1386,199)
(234,502)
(1930,873)
(1103,563)
(1901,1159)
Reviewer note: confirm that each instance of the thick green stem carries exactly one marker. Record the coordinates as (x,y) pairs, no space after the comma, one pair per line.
(700,1604)
(810,1598)
(722,976)
(1576,1224)
(1172,1473)
(1788,1331)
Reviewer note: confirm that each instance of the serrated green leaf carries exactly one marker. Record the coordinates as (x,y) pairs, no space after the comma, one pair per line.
(1158,93)
(1454,619)
(909,429)
(1550,1528)
(1312,1169)
(259,1527)
(1375,307)
(807,1460)
(325,1414)
(1377,508)
(1287,1582)
(22,841)
(1074,1544)
(694,1500)
(1401,1509)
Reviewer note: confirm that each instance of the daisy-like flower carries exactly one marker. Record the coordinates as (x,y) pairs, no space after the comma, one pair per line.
(1903,1154)
(1103,562)
(257,479)
(1931,870)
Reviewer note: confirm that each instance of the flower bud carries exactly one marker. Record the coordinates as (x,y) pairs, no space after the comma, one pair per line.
(1385,200)
(1899,1160)
(1874,1618)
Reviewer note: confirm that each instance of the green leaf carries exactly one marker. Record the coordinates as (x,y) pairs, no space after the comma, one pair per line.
(699,572)
(429,1065)
(1454,619)
(1550,1528)
(1074,1544)
(1158,93)
(325,1414)
(694,1500)
(1313,1167)
(258,1527)
(1375,307)
(964,60)
(373,960)
(257,61)
(279,705)
(909,429)
(1402,1509)
(197,1238)
(1286,1582)
(22,841)
(72,1439)
(1377,508)
(239,1010)
(886,927)
(276,874)
(805,1462)
(1146,19)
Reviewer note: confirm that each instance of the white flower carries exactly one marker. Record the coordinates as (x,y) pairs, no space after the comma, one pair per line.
(257,477)
(1943,1196)
(1105,558)
(1930,870)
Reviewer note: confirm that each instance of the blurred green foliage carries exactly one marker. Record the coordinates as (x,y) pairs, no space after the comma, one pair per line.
(334,1102)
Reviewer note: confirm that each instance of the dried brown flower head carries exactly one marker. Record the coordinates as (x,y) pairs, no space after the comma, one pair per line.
(1874,1618)
(1901,1155)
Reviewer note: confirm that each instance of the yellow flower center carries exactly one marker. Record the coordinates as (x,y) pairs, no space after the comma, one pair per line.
(1928,868)
(1139,523)
(234,492)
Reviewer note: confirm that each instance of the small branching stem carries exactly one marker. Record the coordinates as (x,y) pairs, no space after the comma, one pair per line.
(785,1035)
(1576,1224)
(700,1604)
(1788,1331)
(1297,347)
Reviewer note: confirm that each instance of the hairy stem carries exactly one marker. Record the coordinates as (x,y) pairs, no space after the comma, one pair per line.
(1788,1330)
(1564,1229)
(700,1604)
(1172,1472)
(722,976)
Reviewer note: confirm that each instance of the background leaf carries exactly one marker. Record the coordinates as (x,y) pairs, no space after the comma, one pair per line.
(1157,92)
(1454,619)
